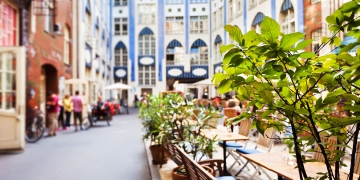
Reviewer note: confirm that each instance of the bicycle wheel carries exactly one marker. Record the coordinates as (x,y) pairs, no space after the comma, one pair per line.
(33,134)
(87,123)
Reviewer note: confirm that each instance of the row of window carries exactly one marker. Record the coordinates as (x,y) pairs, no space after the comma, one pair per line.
(193,9)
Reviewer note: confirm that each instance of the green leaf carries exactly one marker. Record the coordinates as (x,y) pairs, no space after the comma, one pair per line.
(250,79)
(302,111)
(283,83)
(270,29)
(229,55)
(331,19)
(337,41)
(349,6)
(331,100)
(278,68)
(351,97)
(267,96)
(234,33)
(307,55)
(303,44)
(224,86)
(291,39)
(218,77)
(225,48)
(348,47)
(251,38)
(337,92)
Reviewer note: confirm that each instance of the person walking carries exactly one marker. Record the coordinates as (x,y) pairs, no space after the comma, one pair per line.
(77,108)
(52,112)
(136,100)
(67,109)
(61,120)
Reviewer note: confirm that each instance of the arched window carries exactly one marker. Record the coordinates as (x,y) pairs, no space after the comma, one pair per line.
(217,45)
(67,45)
(316,39)
(287,17)
(120,54)
(174,53)
(259,18)
(146,42)
(199,52)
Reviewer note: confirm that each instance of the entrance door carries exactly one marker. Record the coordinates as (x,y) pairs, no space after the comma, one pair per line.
(12,98)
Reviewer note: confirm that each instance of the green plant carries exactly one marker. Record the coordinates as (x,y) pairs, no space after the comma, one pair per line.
(271,70)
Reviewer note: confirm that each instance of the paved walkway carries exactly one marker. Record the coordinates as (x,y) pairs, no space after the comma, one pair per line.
(101,153)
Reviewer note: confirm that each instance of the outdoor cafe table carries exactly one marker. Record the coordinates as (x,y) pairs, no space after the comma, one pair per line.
(223,136)
(275,162)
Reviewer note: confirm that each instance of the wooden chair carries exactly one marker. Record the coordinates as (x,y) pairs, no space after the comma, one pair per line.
(264,141)
(330,146)
(193,170)
(196,113)
(357,160)
(223,103)
(229,113)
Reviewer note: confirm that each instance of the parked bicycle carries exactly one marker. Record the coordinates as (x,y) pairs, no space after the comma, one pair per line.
(35,128)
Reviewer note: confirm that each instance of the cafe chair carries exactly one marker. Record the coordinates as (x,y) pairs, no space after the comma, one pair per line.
(263,141)
(330,146)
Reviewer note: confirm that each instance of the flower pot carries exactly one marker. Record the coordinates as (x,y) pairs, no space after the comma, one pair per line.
(176,176)
(158,154)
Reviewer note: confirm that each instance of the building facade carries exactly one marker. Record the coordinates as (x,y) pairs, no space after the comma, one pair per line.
(93,47)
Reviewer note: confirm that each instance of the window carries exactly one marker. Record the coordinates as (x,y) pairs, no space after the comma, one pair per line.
(316,39)
(174,25)
(147,75)
(214,19)
(199,24)
(147,13)
(230,10)
(199,55)
(194,9)
(238,7)
(169,10)
(259,18)
(220,20)
(179,10)
(8,30)
(67,46)
(198,1)
(49,18)
(120,56)
(287,21)
(174,1)
(203,9)
(121,26)
(120,3)
(252,4)
(175,53)
(88,22)
(146,44)
(315,1)
(217,53)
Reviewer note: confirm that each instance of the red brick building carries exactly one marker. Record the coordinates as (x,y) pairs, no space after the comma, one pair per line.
(49,51)
(313,23)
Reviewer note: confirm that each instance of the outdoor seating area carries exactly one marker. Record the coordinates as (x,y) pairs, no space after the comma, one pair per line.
(236,153)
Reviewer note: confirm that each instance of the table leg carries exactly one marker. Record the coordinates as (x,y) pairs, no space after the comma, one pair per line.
(226,173)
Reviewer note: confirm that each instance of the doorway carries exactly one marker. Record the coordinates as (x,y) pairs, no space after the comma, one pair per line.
(49,82)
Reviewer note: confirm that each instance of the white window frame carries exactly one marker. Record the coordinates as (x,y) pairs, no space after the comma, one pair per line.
(146,44)
(120,57)
(217,54)
(121,22)
(201,57)
(178,56)
(147,13)
(199,20)
(67,46)
(49,18)
(238,8)
(221,17)
(316,38)
(252,4)
(214,21)
(230,11)
(11,29)
(287,18)
(176,24)
(145,71)
(121,2)
(315,1)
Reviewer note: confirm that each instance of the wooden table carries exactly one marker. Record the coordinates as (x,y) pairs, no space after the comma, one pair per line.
(223,136)
(275,162)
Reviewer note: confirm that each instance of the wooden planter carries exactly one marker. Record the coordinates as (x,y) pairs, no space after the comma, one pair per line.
(158,154)
(176,176)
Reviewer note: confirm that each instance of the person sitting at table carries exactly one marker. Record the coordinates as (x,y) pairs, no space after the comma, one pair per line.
(232,104)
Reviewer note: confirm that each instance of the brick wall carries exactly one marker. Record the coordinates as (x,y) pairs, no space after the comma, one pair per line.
(312,15)
(47,50)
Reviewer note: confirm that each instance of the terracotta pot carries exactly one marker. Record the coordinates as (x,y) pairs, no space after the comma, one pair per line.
(158,154)
(176,176)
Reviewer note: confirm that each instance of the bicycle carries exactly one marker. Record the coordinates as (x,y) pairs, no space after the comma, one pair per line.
(35,129)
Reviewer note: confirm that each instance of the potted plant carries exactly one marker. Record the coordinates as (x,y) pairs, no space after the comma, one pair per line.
(273,70)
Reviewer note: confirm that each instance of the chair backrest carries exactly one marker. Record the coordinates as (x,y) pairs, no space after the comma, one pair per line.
(244,127)
(267,140)
(193,170)
(196,113)
(215,103)
(175,156)
(330,146)
(230,112)
(204,102)
(244,104)
(357,160)
(223,103)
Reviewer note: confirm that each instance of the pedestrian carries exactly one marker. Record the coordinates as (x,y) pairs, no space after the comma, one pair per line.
(61,121)
(68,110)
(52,112)
(136,100)
(77,109)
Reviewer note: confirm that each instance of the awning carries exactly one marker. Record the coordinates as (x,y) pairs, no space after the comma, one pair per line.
(218,39)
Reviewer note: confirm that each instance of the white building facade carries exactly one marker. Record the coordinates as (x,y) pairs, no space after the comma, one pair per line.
(94,47)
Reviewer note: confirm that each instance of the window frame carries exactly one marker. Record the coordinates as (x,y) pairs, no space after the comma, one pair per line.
(151,71)
(120,21)
(199,21)
(175,21)
(148,15)
(147,44)
(120,57)
(120,2)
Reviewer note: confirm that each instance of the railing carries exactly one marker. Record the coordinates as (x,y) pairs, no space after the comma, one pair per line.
(199,62)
